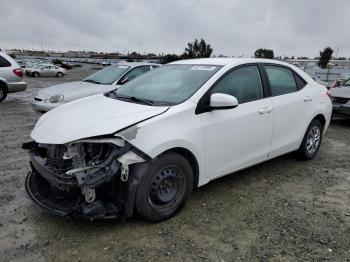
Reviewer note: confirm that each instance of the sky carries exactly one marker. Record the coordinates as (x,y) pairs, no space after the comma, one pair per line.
(231,27)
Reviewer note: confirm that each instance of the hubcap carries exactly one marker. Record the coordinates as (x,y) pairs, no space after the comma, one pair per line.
(313,140)
(166,185)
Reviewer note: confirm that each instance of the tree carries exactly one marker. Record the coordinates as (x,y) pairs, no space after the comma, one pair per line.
(325,57)
(197,49)
(264,53)
(169,58)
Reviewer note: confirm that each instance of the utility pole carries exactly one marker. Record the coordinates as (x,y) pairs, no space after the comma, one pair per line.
(41,44)
(336,53)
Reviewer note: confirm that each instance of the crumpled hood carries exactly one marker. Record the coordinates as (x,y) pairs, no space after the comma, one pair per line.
(343,92)
(91,116)
(74,90)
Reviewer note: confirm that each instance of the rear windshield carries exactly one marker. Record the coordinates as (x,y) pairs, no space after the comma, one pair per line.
(4,62)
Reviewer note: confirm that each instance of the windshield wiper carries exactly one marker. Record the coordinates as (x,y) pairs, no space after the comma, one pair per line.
(135,99)
(92,81)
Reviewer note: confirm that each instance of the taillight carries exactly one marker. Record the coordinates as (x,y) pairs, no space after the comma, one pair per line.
(334,83)
(329,94)
(18,72)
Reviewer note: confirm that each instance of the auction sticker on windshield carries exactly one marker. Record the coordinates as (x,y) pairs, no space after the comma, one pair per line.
(206,68)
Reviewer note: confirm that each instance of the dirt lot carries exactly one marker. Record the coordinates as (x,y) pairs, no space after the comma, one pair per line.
(282,210)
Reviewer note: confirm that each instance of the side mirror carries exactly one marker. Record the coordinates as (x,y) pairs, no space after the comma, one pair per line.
(220,101)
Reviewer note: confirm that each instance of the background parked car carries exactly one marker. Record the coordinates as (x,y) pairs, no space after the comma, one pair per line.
(11,76)
(47,70)
(102,81)
(341,99)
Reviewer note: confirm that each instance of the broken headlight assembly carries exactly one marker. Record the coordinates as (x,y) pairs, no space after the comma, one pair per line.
(56,98)
(87,178)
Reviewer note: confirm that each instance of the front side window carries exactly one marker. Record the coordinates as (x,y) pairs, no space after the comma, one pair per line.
(243,83)
(108,75)
(281,80)
(168,85)
(133,73)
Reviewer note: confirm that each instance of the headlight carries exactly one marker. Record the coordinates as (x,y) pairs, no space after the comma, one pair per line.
(56,98)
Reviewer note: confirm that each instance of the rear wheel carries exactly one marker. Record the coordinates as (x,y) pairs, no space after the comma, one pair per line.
(311,141)
(164,188)
(59,74)
(36,74)
(3,92)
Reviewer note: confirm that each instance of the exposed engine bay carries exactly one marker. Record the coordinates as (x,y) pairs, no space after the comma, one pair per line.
(87,178)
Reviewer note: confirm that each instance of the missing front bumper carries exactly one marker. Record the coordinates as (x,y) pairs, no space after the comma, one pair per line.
(67,204)
(63,191)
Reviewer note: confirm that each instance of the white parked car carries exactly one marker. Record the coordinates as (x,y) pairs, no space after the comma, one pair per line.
(101,81)
(47,70)
(145,146)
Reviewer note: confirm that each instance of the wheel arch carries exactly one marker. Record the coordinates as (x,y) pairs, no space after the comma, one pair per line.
(191,158)
(3,83)
(321,118)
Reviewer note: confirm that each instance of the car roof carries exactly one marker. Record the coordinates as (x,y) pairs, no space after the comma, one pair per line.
(135,64)
(227,61)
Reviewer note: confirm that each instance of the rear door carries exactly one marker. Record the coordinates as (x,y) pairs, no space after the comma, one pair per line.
(45,71)
(5,69)
(292,103)
(238,137)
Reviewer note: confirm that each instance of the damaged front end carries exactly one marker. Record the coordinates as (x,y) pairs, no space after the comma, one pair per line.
(87,178)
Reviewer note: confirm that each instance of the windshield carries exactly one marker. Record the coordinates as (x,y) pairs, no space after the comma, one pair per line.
(346,83)
(168,85)
(108,75)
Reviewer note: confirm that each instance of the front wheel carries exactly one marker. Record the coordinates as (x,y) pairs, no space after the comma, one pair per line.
(59,74)
(164,188)
(311,141)
(36,74)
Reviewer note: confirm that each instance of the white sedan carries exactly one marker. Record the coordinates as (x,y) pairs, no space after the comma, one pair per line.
(145,146)
(47,70)
(102,81)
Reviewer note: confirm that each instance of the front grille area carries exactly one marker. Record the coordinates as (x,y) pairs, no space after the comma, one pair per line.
(37,99)
(43,194)
(339,100)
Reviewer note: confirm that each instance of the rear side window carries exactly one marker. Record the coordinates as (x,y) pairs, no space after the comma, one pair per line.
(243,83)
(4,62)
(281,80)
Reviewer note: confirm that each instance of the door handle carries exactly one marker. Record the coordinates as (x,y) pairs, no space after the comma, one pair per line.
(307,99)
(265,110)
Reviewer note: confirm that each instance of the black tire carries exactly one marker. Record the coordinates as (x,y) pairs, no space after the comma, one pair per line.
(3,92)
(304,152)
(156,199)
(59,74)
(36,74)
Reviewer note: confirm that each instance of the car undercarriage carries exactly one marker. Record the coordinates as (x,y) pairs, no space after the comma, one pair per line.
(85,179)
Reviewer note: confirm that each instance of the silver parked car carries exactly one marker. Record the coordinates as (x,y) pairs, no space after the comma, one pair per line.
(341,99)
(48,70)
(102,81)
(11,76)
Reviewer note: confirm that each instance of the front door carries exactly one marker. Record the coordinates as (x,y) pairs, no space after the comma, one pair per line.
(239,137)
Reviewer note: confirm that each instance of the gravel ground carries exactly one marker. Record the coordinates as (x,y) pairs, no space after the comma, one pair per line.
(281,210)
